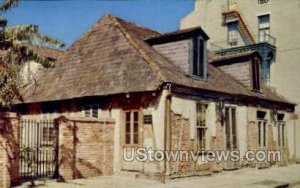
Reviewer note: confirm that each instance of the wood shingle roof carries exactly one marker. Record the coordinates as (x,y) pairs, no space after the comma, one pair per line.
(113,58)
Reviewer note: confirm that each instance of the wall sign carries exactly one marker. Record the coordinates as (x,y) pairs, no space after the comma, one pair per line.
(147,119)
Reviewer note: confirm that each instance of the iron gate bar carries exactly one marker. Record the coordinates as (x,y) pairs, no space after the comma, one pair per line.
(38,149)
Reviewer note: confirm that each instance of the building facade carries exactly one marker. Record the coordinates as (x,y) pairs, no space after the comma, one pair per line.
(241,25)
(122,87)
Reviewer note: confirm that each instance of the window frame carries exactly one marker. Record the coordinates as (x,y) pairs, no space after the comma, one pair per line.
(232,35)
(256,74)
(264,29)
(281,131)
(48,135)
(90,107)
(201,140)
(232,143)
(198,68)
(132,133)
(262,130)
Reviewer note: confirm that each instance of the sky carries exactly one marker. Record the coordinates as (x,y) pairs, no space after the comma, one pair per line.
(67,20)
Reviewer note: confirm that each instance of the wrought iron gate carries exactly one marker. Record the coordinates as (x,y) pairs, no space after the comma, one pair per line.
(38,149)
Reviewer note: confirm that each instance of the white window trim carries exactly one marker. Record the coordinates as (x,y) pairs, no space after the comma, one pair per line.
(231,106)
(262,120)
(91,110)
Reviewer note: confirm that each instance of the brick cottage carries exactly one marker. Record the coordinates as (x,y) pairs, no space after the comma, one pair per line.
(122,85)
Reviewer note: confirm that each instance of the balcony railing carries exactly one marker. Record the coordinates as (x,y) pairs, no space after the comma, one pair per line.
(239,42)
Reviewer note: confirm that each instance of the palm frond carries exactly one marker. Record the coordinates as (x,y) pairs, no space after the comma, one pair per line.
(8,4)
(21,29)
(30,33)
(25,54)
(45,40)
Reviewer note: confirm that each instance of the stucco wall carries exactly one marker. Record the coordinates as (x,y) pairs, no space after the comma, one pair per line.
(283,25)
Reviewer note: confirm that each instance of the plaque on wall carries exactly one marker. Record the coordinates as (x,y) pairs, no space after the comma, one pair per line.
(147,119)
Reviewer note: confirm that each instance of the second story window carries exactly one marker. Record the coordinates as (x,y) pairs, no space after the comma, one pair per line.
(264,28)
(199,58)
(233,34)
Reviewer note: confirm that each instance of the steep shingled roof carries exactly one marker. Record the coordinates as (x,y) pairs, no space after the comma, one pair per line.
(112,58)
(45,52)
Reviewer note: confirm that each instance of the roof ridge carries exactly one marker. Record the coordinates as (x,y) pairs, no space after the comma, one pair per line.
(135,24)
(138,48)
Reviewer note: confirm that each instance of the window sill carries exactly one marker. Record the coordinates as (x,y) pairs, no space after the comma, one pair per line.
(198,78)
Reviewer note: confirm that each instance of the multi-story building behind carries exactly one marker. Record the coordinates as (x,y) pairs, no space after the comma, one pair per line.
(266,26)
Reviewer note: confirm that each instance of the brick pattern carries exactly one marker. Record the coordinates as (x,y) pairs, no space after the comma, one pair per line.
(86,148)
(180,141)
(9,150)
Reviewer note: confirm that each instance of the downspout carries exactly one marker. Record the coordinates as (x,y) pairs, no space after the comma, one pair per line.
(295,140)
(167,127)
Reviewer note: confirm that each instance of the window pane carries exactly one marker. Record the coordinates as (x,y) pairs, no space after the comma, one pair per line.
(127,116)
(127,128)
(233,33)
(95,111)
(279,138)
(195,57)
(201,58)
(264,21)
(127,138)
(283,142)
(136,116)
(136,138)
(201,138)
(259,133)
(227,128)
(233,121)
(265,134)
(201,113)
(136,128)
(87,111)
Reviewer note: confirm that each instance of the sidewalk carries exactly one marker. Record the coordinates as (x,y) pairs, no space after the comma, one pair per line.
(272,177)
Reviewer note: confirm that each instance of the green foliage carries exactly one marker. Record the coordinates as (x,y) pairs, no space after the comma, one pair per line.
(8,4)
(14,52)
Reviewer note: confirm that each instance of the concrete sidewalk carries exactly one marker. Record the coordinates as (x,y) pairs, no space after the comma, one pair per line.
(272,177)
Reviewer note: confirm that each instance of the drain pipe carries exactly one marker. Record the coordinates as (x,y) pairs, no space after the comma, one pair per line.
(295,141)
(167,127)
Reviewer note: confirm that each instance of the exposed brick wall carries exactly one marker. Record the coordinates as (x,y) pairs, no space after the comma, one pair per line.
(180,141)
(217,143)
(86,148)
(252,136)
(9,150)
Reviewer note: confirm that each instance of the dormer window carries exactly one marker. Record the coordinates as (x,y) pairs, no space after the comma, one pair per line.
(186,48)
(255,74)
(199,58)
